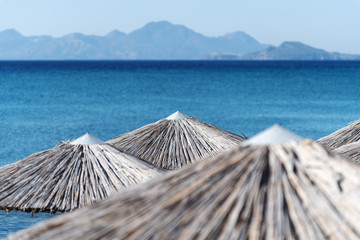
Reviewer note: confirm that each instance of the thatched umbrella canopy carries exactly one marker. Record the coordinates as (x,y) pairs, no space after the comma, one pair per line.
(264,190)
(350,151)
(175,141)
(69,176)
(345,135)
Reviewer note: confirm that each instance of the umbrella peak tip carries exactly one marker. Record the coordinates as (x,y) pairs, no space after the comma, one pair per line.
(177,115)
(274,135)
(87,139)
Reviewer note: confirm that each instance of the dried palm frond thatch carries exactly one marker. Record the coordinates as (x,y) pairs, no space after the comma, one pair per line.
(350,151)
(345,135)
(69,176)
(175,141)
(265,189)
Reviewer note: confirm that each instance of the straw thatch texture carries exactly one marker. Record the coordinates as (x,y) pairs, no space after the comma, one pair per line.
(346,135)
(281,191)
(350,151)
(174,143)
(69,176)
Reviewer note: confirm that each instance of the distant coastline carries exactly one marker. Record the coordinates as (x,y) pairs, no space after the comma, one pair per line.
(155,41)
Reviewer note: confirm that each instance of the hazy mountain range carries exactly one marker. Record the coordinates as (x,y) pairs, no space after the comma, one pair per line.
(156,40)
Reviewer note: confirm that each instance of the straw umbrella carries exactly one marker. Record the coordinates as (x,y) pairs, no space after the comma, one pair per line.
(350,151)
(345,135)
(175,141)
(266,189)
(69,176)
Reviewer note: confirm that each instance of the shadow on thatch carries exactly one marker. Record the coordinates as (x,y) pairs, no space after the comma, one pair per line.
(175,141)
(69,176)
(346,135)
(293,190)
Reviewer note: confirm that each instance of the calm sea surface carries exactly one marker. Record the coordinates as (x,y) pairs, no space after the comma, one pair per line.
(42,103)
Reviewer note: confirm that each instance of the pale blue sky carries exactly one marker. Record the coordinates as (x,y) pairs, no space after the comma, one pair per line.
(333,25)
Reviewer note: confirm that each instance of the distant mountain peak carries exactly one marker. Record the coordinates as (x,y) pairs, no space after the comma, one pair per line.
(76,34)
(115,33)
(242,37)
(159,23)
(237,34)
(10,33)
(163,26)
(166,38)
(292,44)
(299,47)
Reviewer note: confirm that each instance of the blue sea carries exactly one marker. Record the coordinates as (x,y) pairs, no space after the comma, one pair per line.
(45,102)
